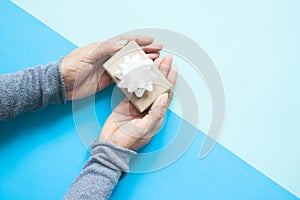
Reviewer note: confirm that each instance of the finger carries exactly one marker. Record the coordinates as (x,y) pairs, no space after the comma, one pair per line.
(165,65)
(153,56)
(156,113)
(142,40)
(172,77)
(157,61)
(111,46)
(153,48)
(145,42)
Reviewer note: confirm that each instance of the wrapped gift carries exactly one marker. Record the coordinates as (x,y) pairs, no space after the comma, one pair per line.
(137,76)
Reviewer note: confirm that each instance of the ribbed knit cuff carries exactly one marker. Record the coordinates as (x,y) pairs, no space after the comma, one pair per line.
(112,156)
(54,86)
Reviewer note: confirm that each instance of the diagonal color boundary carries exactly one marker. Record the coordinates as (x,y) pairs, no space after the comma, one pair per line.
(27,41)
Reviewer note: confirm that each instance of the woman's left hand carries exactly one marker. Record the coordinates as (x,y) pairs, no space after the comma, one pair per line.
(83,70)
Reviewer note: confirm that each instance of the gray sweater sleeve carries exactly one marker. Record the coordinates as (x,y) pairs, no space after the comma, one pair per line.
(101,172)
(35,88)
(31,89)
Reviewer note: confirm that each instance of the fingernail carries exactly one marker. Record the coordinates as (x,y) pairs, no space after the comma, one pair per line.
(164,99)
(121,42)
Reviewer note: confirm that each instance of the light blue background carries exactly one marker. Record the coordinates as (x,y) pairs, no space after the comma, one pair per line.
(255,46)
(41,154)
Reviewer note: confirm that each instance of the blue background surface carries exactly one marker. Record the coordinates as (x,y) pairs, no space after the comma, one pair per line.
(255,46)
(41,153)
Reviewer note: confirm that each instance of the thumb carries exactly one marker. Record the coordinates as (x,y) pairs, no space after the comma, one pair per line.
(157,110)
(160,104)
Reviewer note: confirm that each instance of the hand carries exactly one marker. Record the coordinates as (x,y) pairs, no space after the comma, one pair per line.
(83,70)
(127,127)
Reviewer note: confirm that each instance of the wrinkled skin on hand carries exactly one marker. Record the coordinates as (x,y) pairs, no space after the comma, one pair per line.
(83,70)
(127,127)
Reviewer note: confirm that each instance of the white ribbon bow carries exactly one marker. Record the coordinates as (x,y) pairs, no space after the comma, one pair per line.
(136,74)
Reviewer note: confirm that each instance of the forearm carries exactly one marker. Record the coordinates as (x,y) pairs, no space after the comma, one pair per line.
(31,89)
(101,173)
